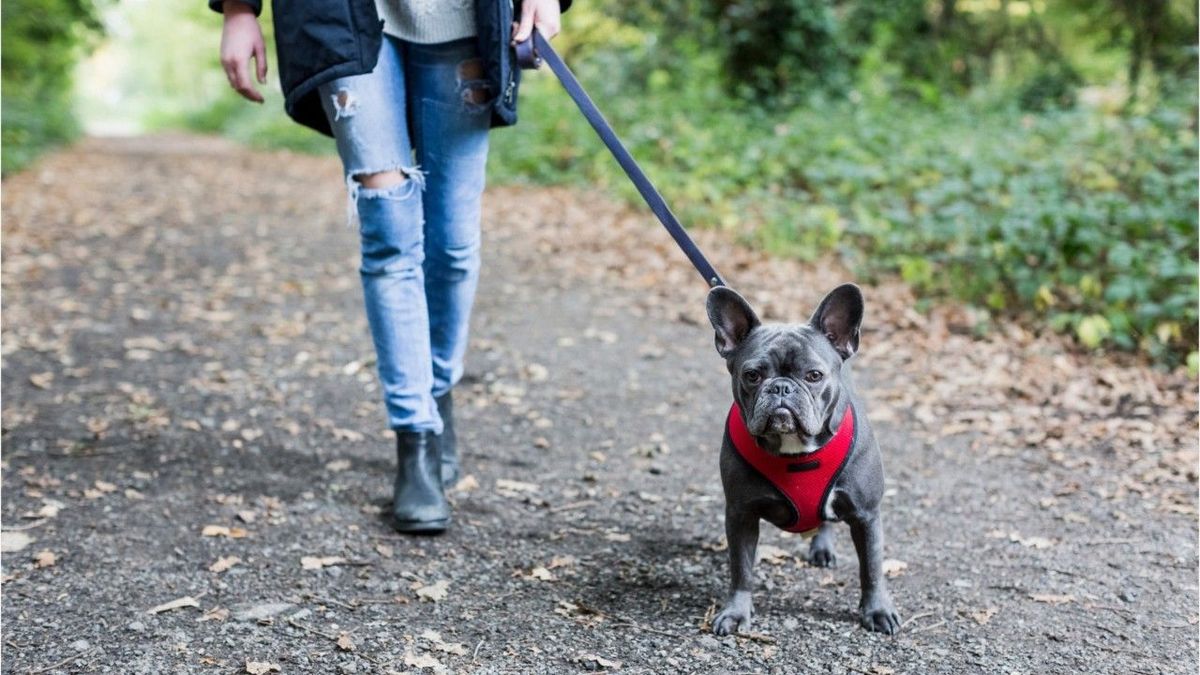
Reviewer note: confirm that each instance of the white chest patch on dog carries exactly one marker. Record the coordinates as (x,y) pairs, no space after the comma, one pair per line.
(791,445)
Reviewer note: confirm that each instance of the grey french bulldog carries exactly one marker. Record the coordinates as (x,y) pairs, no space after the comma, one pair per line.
(798,451)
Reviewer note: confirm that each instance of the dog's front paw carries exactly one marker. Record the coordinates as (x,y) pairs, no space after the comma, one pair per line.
(879,615)
(735,615)
(820,554)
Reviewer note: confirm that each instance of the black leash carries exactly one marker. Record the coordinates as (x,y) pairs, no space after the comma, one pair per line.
(530,55)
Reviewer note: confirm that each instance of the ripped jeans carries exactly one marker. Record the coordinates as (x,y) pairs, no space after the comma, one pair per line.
(423,112)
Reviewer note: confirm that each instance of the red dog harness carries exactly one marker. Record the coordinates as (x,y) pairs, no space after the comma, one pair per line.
(805,480)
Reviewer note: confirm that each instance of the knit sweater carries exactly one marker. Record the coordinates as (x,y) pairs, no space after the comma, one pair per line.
(428,21)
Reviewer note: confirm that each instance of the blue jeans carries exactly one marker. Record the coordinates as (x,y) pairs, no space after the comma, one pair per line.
(423,112)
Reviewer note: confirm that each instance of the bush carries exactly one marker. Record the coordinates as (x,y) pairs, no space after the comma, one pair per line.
(1078,220)
(41,43)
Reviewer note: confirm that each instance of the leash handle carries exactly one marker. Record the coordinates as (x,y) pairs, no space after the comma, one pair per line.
(536,50)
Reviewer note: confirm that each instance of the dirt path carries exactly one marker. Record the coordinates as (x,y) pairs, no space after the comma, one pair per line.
(188,380)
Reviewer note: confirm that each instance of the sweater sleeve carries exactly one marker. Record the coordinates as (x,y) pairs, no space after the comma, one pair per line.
(256,5)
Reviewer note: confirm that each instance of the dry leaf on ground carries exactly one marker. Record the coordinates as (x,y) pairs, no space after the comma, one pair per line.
(223,531)
(893,567)
(224,563)
(595,661)
(262,668)
(434,592)
(414,660)
(44,558)
(177,603)
(344,642)
(772,555)
(1051,599)
(11,542)
(310,562)
(983,616)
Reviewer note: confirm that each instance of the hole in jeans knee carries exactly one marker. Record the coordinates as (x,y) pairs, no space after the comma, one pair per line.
(381,180)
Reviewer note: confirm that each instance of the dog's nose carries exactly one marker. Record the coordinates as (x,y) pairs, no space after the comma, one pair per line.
(781,387)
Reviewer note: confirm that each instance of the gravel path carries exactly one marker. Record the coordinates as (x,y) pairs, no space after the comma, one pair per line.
(190,416)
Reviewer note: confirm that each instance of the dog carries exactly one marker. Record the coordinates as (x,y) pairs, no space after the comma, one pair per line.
(798,450)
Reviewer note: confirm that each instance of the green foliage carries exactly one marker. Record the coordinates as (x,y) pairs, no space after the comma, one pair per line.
(773,48)
(41,42)
(1079,220)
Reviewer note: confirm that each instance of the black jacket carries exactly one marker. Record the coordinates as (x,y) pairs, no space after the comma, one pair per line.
(317,41)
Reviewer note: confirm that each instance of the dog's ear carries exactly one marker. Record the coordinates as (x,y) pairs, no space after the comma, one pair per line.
(731,317)
(839,317)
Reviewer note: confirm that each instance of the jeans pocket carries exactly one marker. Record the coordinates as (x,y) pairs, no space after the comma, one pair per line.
(455,131)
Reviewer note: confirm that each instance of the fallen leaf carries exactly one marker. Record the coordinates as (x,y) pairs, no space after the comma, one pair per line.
(467,484)
(434,592)
(177,603)
(1051,599)
(348,435)
(893,567)
(11,542)
(310,562)
(223,531)
(456,648)
(415,660)
(983,616)
(772,555)
(539,573)
(506,485)
(338,465)
(344,642)
(224,563)
(384,550)
(617,536)
(50,508)
(262,667)
(597,661)
(214,614)
(561,561)
(44,558)
(105,486)
(1031,542)
(42,380)
(247,516)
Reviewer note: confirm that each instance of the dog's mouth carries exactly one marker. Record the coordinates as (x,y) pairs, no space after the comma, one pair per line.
(787,433)
(783,422)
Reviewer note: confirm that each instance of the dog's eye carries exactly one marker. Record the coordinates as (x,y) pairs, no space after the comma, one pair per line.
(752,377)
(813,376)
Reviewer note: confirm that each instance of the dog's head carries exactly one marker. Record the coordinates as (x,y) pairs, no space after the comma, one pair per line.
(787,378)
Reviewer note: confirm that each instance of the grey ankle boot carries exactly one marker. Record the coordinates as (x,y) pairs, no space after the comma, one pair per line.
(418,503)
(448,441)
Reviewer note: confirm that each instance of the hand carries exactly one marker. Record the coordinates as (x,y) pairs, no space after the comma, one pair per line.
(545,15)
(241,40)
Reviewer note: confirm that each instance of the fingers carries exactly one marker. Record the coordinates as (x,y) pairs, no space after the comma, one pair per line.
(260,60)
(242,82)
(544,14)
(548,18)
(525,26)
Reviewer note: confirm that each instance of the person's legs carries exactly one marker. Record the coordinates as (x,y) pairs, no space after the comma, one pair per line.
(451,115)
(368,114)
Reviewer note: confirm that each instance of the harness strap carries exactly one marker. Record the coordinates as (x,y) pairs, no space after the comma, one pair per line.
(804,480)
(530,55)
